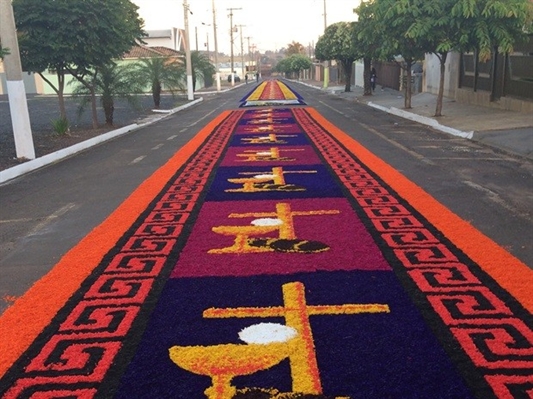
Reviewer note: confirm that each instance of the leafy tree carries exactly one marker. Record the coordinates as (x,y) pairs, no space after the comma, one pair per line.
(299,62)
(368,33)
(383,30)
(159,72)
(201,68)
(111,82)
(76,37)
(283,66)
(293,65)
(484,25)
(339,43)
(3,51)
(295,48)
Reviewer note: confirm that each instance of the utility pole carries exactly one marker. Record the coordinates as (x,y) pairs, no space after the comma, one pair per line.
(196,36)
(216,45)
(242,50)
(18,105)
(231,41)
(252,56)
(249,55)
(326,63)
(207,45)
(188,61)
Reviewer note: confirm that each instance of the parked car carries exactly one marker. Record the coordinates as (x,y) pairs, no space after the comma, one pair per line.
(236,77)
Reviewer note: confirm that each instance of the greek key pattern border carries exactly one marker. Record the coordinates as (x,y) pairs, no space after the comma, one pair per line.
(497,341)
(73,360)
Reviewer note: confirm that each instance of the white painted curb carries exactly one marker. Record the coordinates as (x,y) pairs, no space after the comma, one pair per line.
(407,115)
(423,120)
(34,164)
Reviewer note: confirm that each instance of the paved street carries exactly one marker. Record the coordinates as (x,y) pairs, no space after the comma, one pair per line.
(45,213)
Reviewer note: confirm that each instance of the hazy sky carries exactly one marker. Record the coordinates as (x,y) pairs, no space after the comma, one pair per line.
(270,24)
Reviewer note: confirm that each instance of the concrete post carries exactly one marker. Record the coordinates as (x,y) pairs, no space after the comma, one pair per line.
(190,89)
(216,44)
(18,105)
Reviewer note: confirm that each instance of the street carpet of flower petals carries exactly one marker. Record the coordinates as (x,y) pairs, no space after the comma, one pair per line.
(275,257)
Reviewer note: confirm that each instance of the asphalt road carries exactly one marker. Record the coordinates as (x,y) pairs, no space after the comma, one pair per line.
(47,212)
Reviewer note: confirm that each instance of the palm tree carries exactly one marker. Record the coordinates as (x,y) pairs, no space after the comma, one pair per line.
(201,69)
(3,51)
(159,73)
(110,82)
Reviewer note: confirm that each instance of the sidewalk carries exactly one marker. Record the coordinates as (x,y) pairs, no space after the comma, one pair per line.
(507,130)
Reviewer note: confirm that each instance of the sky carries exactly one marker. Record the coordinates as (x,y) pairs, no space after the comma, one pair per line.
(270,25)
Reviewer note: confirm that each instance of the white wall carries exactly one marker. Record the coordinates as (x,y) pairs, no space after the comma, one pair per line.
(358,78)
(432,74)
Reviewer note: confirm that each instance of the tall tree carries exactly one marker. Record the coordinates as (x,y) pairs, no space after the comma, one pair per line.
(368,33)
(485,25)
(387,31)
(339,43)
(76,37)
(295,48)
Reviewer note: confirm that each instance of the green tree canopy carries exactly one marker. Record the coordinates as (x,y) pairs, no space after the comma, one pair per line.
(464,25)
(75,36)
(339,43)
(201,68)
(158,72)
(381,33)
(293,64)
(295,48)
(111,82)
(3,51)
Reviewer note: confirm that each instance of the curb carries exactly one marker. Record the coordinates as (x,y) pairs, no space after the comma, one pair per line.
(423,120)
(406,115)
(37,163)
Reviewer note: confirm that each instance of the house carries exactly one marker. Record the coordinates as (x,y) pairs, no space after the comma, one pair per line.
(144,51)
(172,38)
(504,81)
(167,42)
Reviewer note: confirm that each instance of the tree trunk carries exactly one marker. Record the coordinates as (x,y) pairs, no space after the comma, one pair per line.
(60,92)
(94,113)
(366,75)
(92,91)
(408,93)
(476,68)
(347,65)
(442,58)
(156,94)
(109,109)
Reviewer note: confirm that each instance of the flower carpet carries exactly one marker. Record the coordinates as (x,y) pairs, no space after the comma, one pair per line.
(271,93)
(275,257)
